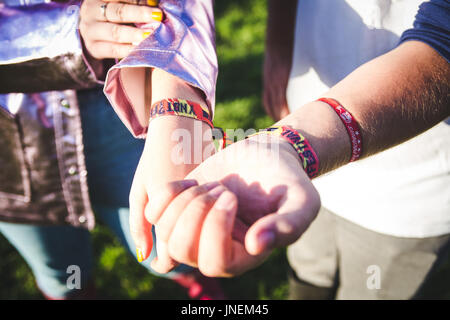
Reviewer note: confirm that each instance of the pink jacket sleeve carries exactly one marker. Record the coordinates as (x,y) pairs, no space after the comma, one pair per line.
(183,45)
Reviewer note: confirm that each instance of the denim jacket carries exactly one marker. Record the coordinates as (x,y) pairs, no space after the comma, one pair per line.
(43,177)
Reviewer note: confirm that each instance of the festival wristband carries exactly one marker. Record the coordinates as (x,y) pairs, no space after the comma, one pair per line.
(180,107)
(186,108)
(222,136)
(309,159)
(350,124)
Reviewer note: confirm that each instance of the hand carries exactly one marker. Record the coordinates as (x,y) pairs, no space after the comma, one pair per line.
(173,148)
(264,200)
(160,163)
(104,32)
(275,81)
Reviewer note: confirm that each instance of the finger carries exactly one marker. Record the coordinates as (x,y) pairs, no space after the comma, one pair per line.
(219,255)
(184,239)
(163,196)
(284,227)
(167,221)
(113,32)
(103,50)
(163,263)
(216,244)
(128,13)
(151,3)
(140,229)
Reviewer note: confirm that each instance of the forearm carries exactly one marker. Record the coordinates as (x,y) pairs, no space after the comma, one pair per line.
(180,142)
(278,56)
(281,27)
(161,85)
(176,145)
(393,98)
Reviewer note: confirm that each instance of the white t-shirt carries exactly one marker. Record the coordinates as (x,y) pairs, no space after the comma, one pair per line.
(403,191)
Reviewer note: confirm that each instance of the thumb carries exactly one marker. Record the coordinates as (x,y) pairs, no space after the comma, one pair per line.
(140,228)
(296,212)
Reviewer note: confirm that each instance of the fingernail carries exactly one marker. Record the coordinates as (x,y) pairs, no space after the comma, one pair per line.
(152,3)
(157,16)
(217,191)
(145,35)
(225,202)
(266,239)
(139,255)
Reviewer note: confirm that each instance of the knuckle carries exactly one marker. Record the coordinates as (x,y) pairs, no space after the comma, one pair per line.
(115,32)
(119,11)
(115,51)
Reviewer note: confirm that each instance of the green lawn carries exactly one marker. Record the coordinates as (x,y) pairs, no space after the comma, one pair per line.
(240,45)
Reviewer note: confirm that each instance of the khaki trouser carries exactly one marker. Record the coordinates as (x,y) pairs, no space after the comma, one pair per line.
(355,263)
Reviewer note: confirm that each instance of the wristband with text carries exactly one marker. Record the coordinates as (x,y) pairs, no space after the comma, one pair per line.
(350,124)
(307,155)
(181,107)
(186,108)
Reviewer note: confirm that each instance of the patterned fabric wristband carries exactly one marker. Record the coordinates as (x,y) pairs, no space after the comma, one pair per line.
(306,153)
(350,124)
(225,141)
(186,108)
(180,107)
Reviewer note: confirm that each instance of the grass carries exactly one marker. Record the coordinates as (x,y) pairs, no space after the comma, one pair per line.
(240,29)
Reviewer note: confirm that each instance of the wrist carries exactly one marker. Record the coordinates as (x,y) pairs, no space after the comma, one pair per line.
(160,86)
(282,145)
(324,130)
(304,152)
(182,140)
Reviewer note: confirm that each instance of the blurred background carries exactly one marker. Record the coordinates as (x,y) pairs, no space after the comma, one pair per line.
(240,27)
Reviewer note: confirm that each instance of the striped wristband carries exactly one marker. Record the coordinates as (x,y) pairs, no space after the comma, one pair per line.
(309,159)
(186,108)
(350,124)
(180,107)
